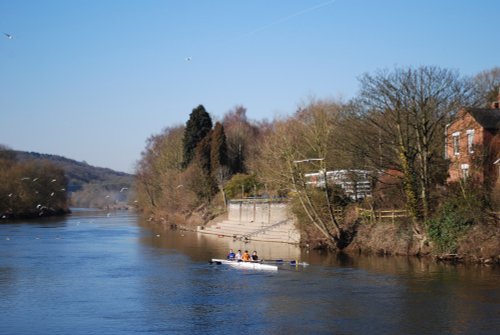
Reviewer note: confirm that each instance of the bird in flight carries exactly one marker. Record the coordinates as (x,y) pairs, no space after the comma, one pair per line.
(188,59)
(9,36)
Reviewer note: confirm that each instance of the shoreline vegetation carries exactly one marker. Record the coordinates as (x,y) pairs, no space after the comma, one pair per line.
(34,185)
(392,133)
(380,239)
(13,217)
(30,189)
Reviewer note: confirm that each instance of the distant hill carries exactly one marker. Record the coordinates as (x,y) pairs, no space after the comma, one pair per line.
(89,186)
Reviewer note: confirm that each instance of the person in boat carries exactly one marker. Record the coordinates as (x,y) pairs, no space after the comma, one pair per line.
(231,255)
(238,255)
(246,257)
(254,256)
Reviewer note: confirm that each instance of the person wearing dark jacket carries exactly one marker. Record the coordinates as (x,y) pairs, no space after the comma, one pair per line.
(254,256)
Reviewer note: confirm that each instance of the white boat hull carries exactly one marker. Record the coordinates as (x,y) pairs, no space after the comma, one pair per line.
(246,265)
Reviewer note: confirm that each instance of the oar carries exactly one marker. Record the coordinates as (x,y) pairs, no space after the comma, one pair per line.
(281,261)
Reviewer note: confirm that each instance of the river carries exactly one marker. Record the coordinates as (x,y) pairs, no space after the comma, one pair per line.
(92,273)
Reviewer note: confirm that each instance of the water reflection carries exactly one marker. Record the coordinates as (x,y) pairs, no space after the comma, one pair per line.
(450,298)
(203,247)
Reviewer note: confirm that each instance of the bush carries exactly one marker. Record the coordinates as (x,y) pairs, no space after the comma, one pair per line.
(455,216)
(447,227)
(242,185)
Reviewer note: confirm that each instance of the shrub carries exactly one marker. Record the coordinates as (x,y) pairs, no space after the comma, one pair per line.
(459,211)
(242,185)
(447,227)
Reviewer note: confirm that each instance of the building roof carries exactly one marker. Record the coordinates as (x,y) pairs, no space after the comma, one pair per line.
(488,118)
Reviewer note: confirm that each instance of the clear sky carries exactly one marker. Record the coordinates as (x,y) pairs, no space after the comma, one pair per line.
(93,79)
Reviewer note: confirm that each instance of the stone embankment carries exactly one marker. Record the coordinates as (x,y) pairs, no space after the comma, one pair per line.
(258,220)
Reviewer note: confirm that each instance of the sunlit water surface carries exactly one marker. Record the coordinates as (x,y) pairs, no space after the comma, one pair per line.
(91,273)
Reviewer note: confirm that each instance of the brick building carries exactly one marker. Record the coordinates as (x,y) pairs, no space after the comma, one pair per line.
(473,145)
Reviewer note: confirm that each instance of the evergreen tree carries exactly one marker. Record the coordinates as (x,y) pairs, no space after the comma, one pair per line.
(197,127)
(206,184)
(218,150)
(203,154)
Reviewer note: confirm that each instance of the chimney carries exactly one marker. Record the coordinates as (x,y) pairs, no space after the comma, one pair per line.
(496,104)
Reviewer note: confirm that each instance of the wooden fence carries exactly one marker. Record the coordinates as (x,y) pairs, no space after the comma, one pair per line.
(382,215)
(374,216)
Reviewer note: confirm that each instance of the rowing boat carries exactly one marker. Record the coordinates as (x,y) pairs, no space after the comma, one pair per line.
(245,265)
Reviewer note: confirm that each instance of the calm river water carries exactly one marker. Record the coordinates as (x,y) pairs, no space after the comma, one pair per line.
(91,273)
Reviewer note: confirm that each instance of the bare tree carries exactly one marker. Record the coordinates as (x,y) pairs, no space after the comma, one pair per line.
(404,112)
(158,170)
(299,145)
(488,86)
(240,135)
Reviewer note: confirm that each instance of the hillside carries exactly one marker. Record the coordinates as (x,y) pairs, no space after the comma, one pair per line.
(89,186)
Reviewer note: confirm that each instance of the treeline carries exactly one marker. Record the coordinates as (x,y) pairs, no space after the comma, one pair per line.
(393,128)
(79,173)
(189,167)
(88,186)
(30,189)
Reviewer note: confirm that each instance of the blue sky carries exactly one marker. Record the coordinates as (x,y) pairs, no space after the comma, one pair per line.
(93,79)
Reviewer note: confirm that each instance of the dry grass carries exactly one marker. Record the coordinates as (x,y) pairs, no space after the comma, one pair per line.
(386,239)
(482,242)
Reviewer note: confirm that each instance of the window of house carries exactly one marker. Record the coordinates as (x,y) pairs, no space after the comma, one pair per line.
(465,170)
(456,143)
(470,141)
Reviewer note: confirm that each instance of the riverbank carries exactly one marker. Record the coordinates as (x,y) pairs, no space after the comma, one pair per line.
(480,244)
(390,241)
(39,213)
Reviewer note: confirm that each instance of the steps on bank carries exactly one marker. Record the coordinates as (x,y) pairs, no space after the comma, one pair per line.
(231,228)
(257,231)
(284,233)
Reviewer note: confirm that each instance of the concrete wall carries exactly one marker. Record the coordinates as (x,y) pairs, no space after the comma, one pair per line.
(263,212)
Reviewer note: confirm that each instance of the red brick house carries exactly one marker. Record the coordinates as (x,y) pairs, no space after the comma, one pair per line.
(473,145)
